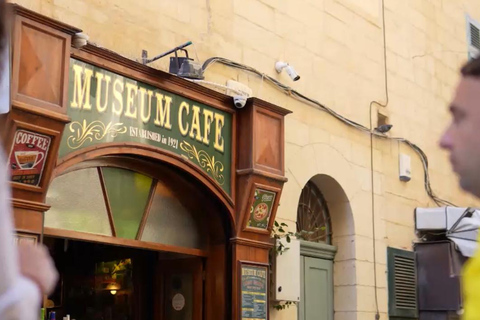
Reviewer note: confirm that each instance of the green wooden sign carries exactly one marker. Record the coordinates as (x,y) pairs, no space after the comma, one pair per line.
(261,209)
(254,292)
(107,107)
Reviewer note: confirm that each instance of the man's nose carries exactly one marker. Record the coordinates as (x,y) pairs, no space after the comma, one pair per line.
(446,140)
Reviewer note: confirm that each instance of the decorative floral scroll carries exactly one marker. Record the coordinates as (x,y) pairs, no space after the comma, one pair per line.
(215,168)
(96,130)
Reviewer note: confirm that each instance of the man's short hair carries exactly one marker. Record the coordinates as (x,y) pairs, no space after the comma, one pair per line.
(472,68)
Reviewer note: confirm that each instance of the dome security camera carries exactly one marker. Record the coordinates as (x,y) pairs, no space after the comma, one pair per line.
(80,40)
(280,65)
(239,101)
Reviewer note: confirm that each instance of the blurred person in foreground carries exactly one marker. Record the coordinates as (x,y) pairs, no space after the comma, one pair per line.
(462,140)
(27,272)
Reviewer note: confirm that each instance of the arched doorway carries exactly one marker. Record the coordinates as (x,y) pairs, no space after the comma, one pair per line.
(106,105)
(323,219)
(119,204)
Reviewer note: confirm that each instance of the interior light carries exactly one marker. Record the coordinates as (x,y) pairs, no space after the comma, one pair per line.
(114,292)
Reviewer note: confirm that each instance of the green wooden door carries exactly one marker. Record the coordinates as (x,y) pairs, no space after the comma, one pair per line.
(316,297)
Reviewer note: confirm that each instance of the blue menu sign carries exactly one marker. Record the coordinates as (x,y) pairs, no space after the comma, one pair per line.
(254,292)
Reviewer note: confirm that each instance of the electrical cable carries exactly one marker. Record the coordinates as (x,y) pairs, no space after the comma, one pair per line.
(375,285)
(298,96)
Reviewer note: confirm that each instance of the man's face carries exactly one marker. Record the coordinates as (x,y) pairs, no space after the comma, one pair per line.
(462,137)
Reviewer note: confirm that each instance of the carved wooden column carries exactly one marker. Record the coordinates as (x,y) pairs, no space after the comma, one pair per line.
(32,130)
(260,179)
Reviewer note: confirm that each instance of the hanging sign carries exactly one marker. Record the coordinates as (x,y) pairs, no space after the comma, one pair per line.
(261,208)
(106,107)
(27,157)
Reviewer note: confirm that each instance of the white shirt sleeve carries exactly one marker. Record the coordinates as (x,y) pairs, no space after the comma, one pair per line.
(21,301)
(19,297)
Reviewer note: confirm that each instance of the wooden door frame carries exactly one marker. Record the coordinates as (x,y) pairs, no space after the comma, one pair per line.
(315,250)
(195,265)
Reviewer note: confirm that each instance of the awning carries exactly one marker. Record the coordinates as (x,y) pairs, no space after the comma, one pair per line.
(459,225)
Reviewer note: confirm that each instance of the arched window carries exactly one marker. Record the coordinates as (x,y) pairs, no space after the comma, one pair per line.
(313,218)
(126,204)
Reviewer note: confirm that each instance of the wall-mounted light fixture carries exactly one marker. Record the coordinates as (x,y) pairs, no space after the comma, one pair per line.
(113,288)
(184,67)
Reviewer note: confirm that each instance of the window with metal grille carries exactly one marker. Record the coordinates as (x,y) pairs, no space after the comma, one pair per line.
(402,284)
(313,218)
(473,37)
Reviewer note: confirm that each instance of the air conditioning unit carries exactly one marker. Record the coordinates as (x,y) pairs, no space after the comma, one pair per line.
(459,225)
(438,266)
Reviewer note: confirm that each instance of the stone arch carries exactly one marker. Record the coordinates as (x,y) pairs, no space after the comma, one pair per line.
(335,177)
(339,208)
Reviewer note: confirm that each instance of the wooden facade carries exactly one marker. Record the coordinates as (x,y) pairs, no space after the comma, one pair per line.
(41,51)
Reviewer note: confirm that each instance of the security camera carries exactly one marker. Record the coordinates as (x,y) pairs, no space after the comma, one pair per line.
(280,65)
(384,128)
(80,40)
(240,101)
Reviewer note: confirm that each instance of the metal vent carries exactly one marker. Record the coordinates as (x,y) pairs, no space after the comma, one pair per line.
(474,36)
(405,283)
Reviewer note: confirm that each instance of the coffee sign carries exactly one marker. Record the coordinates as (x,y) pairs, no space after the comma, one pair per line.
(108,108)
(27,157)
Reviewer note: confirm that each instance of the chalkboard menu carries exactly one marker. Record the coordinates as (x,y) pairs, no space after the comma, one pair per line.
(254,286)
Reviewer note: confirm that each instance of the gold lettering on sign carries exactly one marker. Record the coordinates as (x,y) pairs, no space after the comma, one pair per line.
(196,124)
(194,121)
(131,108)
(81,90)
(207,123)
(102,108)
(186,107)
(219,123)
(117,93)
(145,109)
(163,111)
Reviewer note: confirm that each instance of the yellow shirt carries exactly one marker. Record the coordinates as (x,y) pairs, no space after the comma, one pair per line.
(471,288)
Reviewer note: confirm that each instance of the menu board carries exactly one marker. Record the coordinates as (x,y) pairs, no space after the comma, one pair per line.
(261,209)
(254,286)
(27,157)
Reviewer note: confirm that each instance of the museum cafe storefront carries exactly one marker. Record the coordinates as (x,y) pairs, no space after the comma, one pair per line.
(154,195)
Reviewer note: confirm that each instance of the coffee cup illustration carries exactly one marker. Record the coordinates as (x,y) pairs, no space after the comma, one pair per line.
(28,159)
